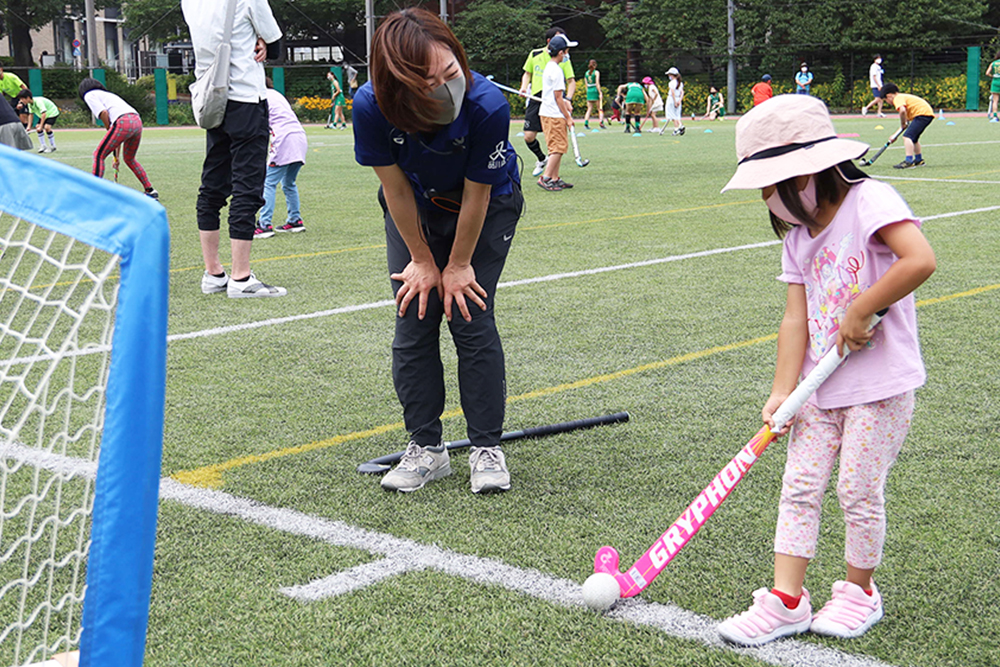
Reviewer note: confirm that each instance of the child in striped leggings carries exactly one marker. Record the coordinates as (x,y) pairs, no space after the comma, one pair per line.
(124,130)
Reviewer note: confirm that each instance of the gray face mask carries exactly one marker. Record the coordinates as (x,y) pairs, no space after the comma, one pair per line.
(450,94)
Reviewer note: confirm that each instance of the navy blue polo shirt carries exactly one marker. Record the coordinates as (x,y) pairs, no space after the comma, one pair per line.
(474,146)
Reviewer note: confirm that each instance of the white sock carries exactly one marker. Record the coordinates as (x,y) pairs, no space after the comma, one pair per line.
(52,139)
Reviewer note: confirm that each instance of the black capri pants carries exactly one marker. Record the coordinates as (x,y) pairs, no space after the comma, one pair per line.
(235,164)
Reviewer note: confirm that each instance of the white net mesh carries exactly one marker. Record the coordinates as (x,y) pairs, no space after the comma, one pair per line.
(57,300)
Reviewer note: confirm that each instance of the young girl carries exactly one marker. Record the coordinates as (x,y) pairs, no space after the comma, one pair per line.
(655,103)
(288,155)
(337,102)
(595,97)
(715,107)
(852,247)
(124,128)
(674,96)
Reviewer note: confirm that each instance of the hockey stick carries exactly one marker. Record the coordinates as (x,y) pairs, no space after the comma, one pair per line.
(580,162)
(895,135)
(383,463)
(512,90)
(658,556)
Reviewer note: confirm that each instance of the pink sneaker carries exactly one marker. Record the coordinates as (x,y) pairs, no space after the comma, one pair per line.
(767,619)
(849,613)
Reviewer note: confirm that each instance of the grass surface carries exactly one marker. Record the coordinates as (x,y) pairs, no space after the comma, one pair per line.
(273,389)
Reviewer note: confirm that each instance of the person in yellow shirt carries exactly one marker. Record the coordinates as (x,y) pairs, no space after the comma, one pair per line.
(915,114)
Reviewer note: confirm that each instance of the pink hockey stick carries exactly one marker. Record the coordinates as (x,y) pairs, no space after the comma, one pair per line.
(658,556)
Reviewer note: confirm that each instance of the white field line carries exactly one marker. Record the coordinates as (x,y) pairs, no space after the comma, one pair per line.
(933,180)
(219,331)
(517,283)
(397,556)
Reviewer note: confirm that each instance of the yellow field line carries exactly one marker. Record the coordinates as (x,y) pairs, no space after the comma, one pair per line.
(957,295)
(211,475)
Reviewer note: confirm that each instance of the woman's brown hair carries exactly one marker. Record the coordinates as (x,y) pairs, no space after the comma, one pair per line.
(401,51)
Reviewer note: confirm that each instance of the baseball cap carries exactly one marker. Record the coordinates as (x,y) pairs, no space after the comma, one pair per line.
(673,70)
(560,42)
(787,136)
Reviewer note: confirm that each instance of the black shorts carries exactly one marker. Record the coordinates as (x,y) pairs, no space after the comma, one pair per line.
(51,121)
(916,127)
(532,123)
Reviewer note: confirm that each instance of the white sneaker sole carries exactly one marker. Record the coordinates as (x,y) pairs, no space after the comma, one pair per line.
(441,472)
(259,294)
(837,630)
(491,487)
(290,231)
(783,631)
(214,289)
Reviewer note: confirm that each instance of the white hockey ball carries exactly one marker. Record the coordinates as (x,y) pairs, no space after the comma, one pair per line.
(600,591)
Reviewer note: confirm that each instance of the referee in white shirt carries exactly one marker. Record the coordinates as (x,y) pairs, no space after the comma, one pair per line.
(236,156)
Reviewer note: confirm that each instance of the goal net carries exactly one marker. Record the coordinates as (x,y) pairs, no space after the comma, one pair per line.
(83,294)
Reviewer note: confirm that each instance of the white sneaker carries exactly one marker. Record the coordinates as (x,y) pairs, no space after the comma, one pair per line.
(211,284)
(251,288)
(881,115)
(539,167)
(864,111)
(767,619)
(43,149)
(488,470)
(849,613)
(418,466)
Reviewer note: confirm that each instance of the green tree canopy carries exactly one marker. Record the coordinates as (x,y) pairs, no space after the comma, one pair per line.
(20,17)
(495,33)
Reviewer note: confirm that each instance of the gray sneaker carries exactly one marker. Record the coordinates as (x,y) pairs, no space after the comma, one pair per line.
(488,470)
(418,466)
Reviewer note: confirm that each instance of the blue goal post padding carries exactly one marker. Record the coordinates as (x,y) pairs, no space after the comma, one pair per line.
(123,222)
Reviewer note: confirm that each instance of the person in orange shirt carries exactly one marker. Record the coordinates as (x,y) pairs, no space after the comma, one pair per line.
(915,114)
(761,90)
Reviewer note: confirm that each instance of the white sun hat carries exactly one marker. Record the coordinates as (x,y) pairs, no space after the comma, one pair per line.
(784,137)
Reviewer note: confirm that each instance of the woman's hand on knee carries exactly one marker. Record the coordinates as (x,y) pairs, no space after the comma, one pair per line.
(459,283)
(418,279)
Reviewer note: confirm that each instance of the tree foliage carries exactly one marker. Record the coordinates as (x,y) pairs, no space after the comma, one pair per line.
(20,17)
(493,33)
(162,20)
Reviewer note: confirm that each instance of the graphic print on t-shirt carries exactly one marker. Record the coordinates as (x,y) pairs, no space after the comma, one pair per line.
(835,276)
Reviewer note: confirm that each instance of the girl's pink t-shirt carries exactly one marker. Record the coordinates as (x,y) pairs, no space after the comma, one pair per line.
(843,260)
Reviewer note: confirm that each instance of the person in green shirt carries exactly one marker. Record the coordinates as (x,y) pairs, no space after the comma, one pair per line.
(636,102)
(715,107)
(595,96)
(48,114)
(337,103)
(11,85)
(531,84)
(993,71)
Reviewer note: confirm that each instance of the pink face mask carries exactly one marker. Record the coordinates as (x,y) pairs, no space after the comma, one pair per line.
(808,197)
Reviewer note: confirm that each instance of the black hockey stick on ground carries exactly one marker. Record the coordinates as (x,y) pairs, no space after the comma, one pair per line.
(383,463)
(895,135)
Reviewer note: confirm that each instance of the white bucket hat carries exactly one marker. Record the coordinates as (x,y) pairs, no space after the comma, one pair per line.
(784,137)
(674,71)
